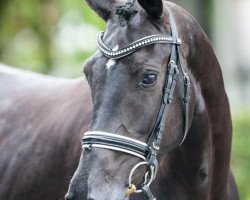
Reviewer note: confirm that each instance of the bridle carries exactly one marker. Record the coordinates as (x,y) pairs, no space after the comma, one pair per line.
(146,151)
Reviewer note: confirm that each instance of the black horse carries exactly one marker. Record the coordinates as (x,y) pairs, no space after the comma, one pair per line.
(127,94)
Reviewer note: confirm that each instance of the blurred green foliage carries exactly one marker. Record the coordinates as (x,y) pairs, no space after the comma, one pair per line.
(29,30)
(46,36)
(241,151)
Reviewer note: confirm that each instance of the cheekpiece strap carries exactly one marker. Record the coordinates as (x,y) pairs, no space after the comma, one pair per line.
(134,46)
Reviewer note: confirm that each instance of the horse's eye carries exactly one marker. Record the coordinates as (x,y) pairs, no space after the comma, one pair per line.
(149,79)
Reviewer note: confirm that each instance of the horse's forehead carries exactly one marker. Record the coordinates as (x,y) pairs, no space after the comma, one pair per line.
(117,35)
(133,29)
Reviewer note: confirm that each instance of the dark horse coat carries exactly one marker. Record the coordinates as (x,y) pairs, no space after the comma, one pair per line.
(199,169)
(41,122)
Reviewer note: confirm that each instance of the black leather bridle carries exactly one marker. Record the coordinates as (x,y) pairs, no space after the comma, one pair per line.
(147,152)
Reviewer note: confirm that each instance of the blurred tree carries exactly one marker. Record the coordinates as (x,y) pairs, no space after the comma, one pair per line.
(27,30)
(33,15)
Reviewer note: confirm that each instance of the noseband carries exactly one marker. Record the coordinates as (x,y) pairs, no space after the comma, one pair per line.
(147,152)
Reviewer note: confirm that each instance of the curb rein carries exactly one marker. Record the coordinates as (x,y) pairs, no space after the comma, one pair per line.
(147,152)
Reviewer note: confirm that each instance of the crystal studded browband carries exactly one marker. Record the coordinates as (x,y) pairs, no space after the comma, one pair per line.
(132,47)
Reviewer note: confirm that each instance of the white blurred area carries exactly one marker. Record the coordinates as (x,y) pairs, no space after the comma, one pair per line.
(72,37)
(231,39)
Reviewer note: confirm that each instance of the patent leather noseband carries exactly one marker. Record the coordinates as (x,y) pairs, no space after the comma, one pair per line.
(115,142)
(147,152)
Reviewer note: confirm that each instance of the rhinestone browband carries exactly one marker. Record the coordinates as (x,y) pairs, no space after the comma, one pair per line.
(148,40)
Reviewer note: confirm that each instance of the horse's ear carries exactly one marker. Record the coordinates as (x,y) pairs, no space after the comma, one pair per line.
(102,7)
(154,8)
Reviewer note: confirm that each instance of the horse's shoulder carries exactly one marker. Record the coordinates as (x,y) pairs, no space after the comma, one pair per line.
(12,72)
(8,73)
(31,103)
(40,116)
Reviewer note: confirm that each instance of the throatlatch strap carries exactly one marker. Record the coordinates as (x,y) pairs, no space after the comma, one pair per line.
(186,80)
(186,100)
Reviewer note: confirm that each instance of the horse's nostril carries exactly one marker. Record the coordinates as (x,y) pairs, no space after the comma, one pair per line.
(91,199)
(68,197)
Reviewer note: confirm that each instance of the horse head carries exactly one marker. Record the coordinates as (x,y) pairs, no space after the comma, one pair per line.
(143,101)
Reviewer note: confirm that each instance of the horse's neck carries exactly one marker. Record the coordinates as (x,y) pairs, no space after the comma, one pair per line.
(199,168)
(186,172)
(207,73)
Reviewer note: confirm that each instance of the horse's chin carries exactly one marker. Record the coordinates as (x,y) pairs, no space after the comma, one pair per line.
(113,196)
(108,198)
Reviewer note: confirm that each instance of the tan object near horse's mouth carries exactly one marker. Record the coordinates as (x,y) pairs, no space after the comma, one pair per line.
(130,190)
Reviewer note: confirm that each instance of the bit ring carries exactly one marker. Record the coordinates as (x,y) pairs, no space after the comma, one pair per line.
(146,180)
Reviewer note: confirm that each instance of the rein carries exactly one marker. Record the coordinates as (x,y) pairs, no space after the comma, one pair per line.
(147,152)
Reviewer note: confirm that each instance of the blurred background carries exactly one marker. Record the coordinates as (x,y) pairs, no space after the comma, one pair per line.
(55,37)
